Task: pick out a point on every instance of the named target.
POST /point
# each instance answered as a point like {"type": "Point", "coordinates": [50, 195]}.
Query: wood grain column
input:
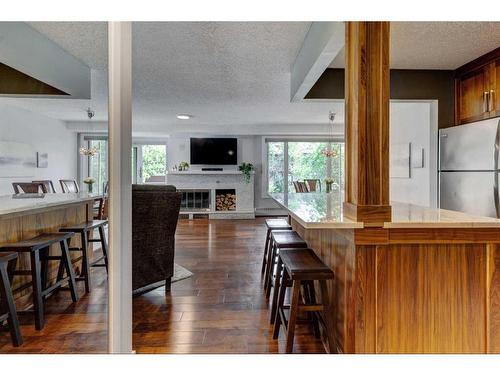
{"type": "Point", "coordinates": [367, 122]}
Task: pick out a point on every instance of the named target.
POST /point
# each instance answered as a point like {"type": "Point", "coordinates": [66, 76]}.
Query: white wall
{"type": "Point", "coordinates": [44, 135]}
{"type": "Point", "coordinates": [415, 123]}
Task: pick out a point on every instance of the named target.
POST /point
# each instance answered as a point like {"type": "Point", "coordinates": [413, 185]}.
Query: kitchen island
{"type": "Point", "coordinates": [23, 218]}
{"type": "Point", "coordinates": [428, 281]}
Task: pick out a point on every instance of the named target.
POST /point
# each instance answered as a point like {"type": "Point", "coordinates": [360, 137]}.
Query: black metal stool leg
{"type": "Point", "coordinates": [85, 262]}
{"type": "Point", "coordinates": [69, 269]}
{"type": "Point", "coordinates": [44, 267]}
{"type": "Point", "coordinates": [8, 305]}
{"type": "Point", "coordinates": [277, 281]}
{"type": "Point", "coordinates": [270, 270]}
{"type": "Point", "coordinates": [311, 296]}
{"type": "Point", "coordinates": [281, 302]}
{"type": "Point", "coordinates": [264, 258]}
{"type": "Point", "coordinates": [36, 281]}
{"type": "Point", "coordinates": [104, 246]}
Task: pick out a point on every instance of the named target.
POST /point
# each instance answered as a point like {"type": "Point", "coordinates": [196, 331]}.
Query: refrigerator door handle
{"type": "Point", "coordinates": [495, 183]}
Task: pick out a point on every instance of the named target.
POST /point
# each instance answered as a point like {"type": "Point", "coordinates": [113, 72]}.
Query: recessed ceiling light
{"type": "Point", "coordinates": [184, 116]}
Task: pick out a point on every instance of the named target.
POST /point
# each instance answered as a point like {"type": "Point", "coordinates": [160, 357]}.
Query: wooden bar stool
{"type": "Point", "coordinates": [272, 224]}
{"type": "Point", "coordinates": [84, 230]}
{"type": "Point", "coordinates": [301, 267]}
{"type": "Point", "coordinates": [7, 307]}
{"type": "Point", "coordinates": [38, 249]}
{"type": "Point", "coordinates": [280, 239]}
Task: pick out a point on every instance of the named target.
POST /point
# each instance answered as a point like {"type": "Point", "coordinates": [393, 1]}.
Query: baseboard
{"type": "Point", "coordinates": [265, 211]}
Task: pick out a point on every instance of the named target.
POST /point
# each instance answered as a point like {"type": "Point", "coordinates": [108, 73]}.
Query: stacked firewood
{"type": "Point", "coordinates": [225, 202]}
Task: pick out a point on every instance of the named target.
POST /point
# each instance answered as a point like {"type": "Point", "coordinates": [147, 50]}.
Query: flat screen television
{"type": "Point", "coordinates": [214, 151]}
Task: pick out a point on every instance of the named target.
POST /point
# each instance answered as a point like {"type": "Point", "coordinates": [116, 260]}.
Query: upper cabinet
{"type": "Point", "coordinates": [476, 89]}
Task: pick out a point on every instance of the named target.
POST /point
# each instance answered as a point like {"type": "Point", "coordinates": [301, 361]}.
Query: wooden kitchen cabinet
{"type": "Point", "coordinates": [476, 89]}
{"type": "Point", "coordinates": [495, 97]}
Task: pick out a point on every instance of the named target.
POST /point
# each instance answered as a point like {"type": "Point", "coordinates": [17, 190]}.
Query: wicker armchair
{"type": "Point", "coordinates": [155, 212]}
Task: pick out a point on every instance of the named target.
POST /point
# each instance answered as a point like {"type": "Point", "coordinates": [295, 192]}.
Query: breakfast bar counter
{"type": "Point", "coordinates": [428, 281]}
{"type": "Point", "coordinates": [24, 218]}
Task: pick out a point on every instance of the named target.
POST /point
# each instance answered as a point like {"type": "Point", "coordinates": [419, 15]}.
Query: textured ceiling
{"type": "Point", "coordinates": [222, 73]}
{"type": "Point", "coordinates": [437, 45]}
{"type": "Point", "coordinates": [233, 73]}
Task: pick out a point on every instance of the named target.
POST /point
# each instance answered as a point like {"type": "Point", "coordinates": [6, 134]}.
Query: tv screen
{"type": "Point", "coordinates": [215, 151]}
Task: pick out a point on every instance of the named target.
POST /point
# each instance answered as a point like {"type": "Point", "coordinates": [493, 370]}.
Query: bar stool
{"type": "Point", "coordinates": [280, 239]}
{"type": "Point", "coordinates": [272, 224]}
{"type": "Point", "coordinates": [301, 267]}
{"type": "Point", "coordinates": [38, 250]}
{"type": "Point", "coordinates": [7, 307]}
{"type": "Point", "coordinates": [84, 229]}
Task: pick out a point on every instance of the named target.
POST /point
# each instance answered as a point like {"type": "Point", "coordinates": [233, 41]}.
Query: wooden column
{"type": "Point", "coordinates": [367, 122]}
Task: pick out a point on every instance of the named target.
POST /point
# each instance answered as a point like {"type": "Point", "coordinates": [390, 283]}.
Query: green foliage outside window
{"type": "Point", "coordinates": [154, 161]}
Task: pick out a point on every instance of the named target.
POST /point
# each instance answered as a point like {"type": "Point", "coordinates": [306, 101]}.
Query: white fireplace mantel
{"type": "Point", "coordinates": [212, 181]}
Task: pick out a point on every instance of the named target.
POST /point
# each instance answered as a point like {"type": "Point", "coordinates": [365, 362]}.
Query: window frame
{"type": "Point", "coordinates": [286, 140]}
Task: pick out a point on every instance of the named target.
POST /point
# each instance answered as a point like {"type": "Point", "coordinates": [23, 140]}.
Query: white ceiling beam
{"type": "Point", "coordinates": [33, 54]}
{"type": "Point", "coordinates": [173, 129]}
{"type": "Point", "coordinates": [321, 45]}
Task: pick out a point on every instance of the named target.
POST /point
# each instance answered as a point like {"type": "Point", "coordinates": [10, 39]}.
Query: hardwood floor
{"type": "Point", "coordinates": [79, 327]}
{"type": "Point", "coordinates": [220, 309]}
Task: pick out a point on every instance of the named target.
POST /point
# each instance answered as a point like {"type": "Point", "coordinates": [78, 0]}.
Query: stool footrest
{"type": "Point", "coordinates": [56, 285]}
{"type": "Point", "coordinates": [22, 273]}
{"type": "Point", "coordinates": [53, 257]}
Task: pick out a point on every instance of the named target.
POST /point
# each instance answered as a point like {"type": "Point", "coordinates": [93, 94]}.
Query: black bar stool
{"type": "Point", "coordinates": [7, 307]}
{"type": "Point", "coordinates": [280, 239]}
{"type": "Point", "coordinates": [301, 267]}
{"type": "Point", "coordinates": [272, 224]}
{"type": "Point", "coordinates": [38, 249]}
{"type": "Point", "coordinates": [84, 230]}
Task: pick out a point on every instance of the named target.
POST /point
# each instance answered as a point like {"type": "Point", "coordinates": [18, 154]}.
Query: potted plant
{"type": "Point", "coordinates": [183, 166]}
{"type": "Point", "coordinates": [89, 181]}
{"type": "Point", "coordinates": [246, 169]}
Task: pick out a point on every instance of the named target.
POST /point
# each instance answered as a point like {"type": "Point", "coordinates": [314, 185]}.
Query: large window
{"type": "Point", "coordinates": [290, 161]}
{"type": "Point", "coordinates": [149, 162]}
{"type": "Point", "coordinates": [152, 162]}
{"type": "Point", "coordinates": [98, 164]}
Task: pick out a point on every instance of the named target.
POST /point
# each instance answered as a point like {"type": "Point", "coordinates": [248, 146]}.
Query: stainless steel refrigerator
{"type": "Point", "coordinates": [469, 168]}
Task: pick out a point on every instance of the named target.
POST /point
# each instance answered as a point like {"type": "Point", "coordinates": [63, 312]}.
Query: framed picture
{"type": "Point", "coordinates": [400, 160]}
{"type": "Point", "coordinates": [42, 160]}
{"type": "Point", "coordinates": [17, 159]}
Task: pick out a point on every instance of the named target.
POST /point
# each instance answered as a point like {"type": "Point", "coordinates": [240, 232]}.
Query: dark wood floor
{"type": "Point", "coordinates": [220, 309]}
{"type": "Point", "coordinates": [70, 327]}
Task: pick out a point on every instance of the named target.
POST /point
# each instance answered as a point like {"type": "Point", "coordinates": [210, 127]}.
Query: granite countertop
{"type": "Point", "coordinates": [324, 210]}
{"type": "Point", "coordinates": [316, 210]}
{"type": "Point", "coordinates": [10, 205]}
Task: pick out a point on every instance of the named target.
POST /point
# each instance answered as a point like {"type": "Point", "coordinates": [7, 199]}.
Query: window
{"type": "Point", "coordinates": [149, 162]}
{"type": "Point", "coordinates": [98, 164]}
{"type": "Point", "coordinates": [296, 160]}
{"type": "Point", "coordinates": [152, 162]}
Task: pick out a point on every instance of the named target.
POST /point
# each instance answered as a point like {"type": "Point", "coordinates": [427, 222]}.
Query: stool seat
{"type": "Point", "coordinates": [304, 264]}
{"type": "Point", "coordinates": [277, 224]}
{"type": "Point", "coordinates": [85, 226]}
{"type": "Point", "coordinates": [38, 250]}
{"type": "Point", "coordinates": [39, 242]}
{"type": "Point", "coordinates": [84, 230]}
{"type": "Point", "coordinates": [301, 268]}
{"type": "Point", "coordinates": [287, 238]}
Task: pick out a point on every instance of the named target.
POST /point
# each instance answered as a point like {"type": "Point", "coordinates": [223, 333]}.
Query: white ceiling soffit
{"type": "Point", "coordinates": [321, 45]}
{"type": "Point", "coordinates": [437, 45]}
{"type": "Point", "coordinates": [33, 54]}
